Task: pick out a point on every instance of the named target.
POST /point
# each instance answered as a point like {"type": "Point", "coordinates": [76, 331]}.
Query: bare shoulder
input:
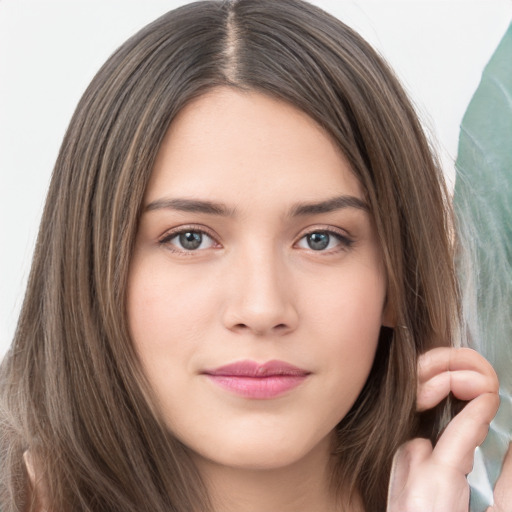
{"type": "Point", "coordinates": [35, 489]}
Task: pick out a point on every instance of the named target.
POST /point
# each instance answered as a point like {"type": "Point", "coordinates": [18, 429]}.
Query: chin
{"type": "Point", "coordinates": [264, 452]}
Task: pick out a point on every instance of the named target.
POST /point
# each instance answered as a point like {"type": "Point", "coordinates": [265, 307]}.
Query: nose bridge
{"type": "Point", "coordinates": [260, 300]}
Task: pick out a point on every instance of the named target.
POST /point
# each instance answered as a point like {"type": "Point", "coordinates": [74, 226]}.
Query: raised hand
{"type": "Point", "coordinates": [433, 479]}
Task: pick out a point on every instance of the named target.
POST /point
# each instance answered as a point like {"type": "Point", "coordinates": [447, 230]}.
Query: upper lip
{"type": "Point", "coordinates": [254, 369]}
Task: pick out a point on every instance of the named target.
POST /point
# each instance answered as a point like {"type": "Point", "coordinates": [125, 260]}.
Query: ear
{"type": "Point", "coordinates": [389, 314]}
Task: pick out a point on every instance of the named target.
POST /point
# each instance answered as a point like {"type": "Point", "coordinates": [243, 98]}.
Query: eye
{"type": "Point", "coordinates": [188, 240]}
{"type": "Point", "coordinates": [324, 240]}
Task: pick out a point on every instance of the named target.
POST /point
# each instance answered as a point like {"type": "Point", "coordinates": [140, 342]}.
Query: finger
{"type": "Point", "coordinates": [455, 448]}
{"type": "Point", "coordinates": [409, 456]}
{"type": "Point", "coordinates": [503, 488]}
{"type": "Point", "coordinates": [444, 359]}
{"type": "Point", "coordinates": [464, 384]}
{"type": "Point", "coordinates": [418, 483]}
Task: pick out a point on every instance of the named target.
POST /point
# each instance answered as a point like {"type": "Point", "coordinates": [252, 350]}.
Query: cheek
{"type": "Point", "coordinates": [349, 302]}
{"type": "Point", "coordinates": [166, 311]}
{"type": "Point", "coordinates": [347, 320]}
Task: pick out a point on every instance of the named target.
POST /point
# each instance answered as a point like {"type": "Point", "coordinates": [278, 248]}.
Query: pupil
{"type": "Point", "coordinates": [191, 240]}
{"type": "Point", "coordinates": [318, 241]}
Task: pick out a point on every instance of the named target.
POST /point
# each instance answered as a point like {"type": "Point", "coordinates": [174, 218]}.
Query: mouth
{"type": "Point", "coordinates": [250, 379]}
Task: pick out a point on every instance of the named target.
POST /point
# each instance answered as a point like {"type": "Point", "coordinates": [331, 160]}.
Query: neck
{"type": "Point", "coordinates": [302, 486]}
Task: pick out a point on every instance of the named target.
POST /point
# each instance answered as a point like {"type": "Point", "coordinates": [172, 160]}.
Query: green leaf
{"type": "Point", "coordinates": [483, 203]}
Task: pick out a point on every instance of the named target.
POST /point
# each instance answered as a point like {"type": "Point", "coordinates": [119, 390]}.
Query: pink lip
{"type": "Point", "coordinates": [260, 381]}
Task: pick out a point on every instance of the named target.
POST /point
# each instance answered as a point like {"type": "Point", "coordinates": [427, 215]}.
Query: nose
{"type": "Point", "coordinates": [260, 296]}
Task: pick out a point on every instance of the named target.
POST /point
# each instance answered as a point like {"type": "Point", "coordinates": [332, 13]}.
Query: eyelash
{"type": "Point", "coordinates": [344, 242]}
{"type": "Point", "coordinates": [166, 239]}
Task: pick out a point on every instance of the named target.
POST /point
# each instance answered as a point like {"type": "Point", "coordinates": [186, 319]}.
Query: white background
{"type": "Point", "coordinates": [50, 50]}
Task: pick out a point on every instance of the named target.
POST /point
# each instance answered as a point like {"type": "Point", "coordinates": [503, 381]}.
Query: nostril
{"type": "Point", "coordinates": [244, 327]}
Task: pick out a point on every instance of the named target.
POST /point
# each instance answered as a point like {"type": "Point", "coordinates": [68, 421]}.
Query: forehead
{"type": "Point", "coordinates": [228, 145]}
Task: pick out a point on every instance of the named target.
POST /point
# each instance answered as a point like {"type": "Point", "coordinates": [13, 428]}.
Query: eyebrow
{"type": "Point", "coordinates": [191, 205]}
{"type": "Point", "coordinates": [329, 205]}
{"type": "Point", "coordinates": [297, 210]}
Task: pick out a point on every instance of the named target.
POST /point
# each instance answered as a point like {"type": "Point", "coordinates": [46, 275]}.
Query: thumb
{"type": "Point", "coordinates": [503, 487]}
{"type": "Point", "coordinates": [409, 456]}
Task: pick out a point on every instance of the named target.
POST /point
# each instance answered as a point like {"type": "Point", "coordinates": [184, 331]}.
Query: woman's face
{"type": "Point", "coordinates": [256, 290]}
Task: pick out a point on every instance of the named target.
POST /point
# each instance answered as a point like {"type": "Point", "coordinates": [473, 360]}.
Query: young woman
{"type": "Point", "coordinates": [246, 252]}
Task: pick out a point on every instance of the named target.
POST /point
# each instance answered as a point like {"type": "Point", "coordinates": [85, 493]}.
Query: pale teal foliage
{"type": "Point", "coordinates": [483, 201]}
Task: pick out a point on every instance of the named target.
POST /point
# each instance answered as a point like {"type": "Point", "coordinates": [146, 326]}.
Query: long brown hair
{"type": "Point", "coordinates": [72, 391]}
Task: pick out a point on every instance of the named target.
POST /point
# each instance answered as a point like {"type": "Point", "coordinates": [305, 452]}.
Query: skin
{"type": "Point", "coordinates": [256, 289]}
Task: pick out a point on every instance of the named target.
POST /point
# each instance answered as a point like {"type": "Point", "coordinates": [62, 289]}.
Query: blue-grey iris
{"type": "Point", "coordinates": [191, 240]}
{"type": "Point", "coordinates": [318, 241]}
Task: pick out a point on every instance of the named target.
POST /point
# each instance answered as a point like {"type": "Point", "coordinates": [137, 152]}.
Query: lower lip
{"type": "Point", "coordinates": [261, 388]}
